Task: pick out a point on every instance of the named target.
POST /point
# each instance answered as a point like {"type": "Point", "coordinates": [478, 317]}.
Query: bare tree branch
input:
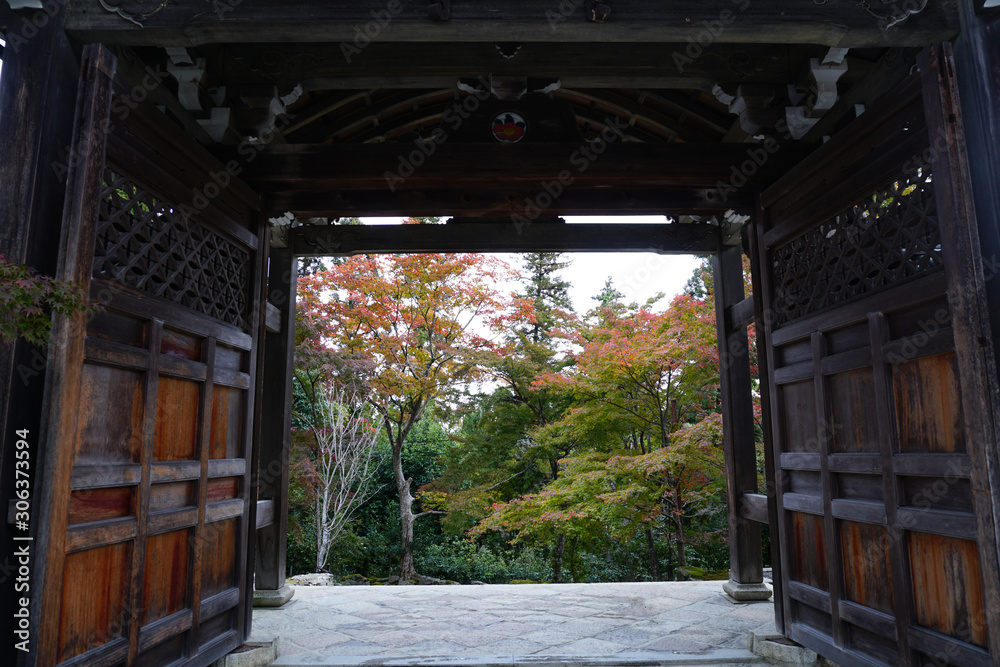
{"type": "Point", "coordinates": [344, 430]}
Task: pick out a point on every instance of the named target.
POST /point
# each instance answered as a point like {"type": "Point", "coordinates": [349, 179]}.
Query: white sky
{"type": "Point", "coordinates": [636, 275]}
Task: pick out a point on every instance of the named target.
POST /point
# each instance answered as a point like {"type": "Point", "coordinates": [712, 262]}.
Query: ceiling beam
{"type": "Point", "coordinates": [435, 65]}
{"type": "Point", "coordinates": [676, 238]}
{"type": "Point", "coordinates": [509, 202]}
{"type": "Point", "coordinates": [195, 22]}
{"type": "Point", "coordinates": [404, 166]}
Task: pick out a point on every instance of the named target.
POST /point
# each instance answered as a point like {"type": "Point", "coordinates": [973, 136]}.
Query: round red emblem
{"type": "Point", "coordinates": [509, 127]}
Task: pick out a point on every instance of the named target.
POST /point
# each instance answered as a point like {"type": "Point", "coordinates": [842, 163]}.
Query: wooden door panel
{"type": "Point", "coordinates": [111, 430]}
{"type": "Point", "coordinates": [928, 405]}
{"type": "Point", "coordinates": [938, 563]}
{"type": "Point", "coordinates": [798, 429]}
{"type": "Point", "coordinates": [807, 530]}
{"type": "Point", "coordinates": [158, 504]}
{"type": "Point", "coordinates": [866, 565]}
{"type": "Point", "coordinates": [94, 602]}
{"type": "Point", "coordinates": [852, 410]}
{"type": "Point", "coordinates": [165, 575]}
{"type": "Point", "coordinates": [872, 344]}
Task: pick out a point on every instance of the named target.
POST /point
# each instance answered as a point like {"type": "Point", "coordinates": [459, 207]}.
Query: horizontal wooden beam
{"type": "Point", "coordinates": [511, 236]}
{"type": "Point", "coordinates": [192, 22]}
{"type": "Point", "coordinates": [432, 65]}
{"type": "Point", "coordinates": [391, 167]}
{"type": "Point", "coordinates": [741, 315]}
{"type": "Point", "coordinates": [272, 319]}
{"type": "Point", "coordinates": [324, 202]}
{"type": "Point", "coordinates": [265, 513]}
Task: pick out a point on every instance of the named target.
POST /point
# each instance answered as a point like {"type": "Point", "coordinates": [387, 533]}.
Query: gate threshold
{"type": "Point", "coordinates": [637, 659]}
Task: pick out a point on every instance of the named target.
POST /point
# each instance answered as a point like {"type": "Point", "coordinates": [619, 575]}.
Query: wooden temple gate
{"type": "Point", "coordinates": [881, 401]}
{"type": "Point", "coordinates": [148, 525]}
{"type": "Point", "coordinates": [163, 430]}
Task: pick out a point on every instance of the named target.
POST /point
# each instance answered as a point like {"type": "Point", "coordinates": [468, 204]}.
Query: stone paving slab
{"type": "Point", "coordinates": [628, 624]}
{"type": "Point", "coordinates": [731, 658]}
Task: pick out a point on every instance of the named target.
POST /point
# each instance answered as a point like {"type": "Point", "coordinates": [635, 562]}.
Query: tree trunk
{"type": "Point", "coordinates": [318, 519]}
{"type": "Point", "coordinates": [407, 570]}
{"type": "Point", "coordinates": [671, 574]}
{"type": "Point", "coordinates": [572, 559]}
{"type": "Point", "coordinates": [557, 557]}
{"type": "Point", "coordinates": [654, 562]}
{"type": "Point", "coordinates": [679, 527]}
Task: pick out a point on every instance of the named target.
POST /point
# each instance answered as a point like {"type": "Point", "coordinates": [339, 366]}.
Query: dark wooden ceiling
{"type": "Point", "coordinates": [311, 75]}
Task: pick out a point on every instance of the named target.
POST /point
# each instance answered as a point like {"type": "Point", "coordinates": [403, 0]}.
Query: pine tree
{"type": "Point", "coordinates": [547, 292]}
{"type": "Point", "coordinates": [608, 296]}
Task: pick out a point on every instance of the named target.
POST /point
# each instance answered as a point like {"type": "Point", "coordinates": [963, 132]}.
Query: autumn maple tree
{"type": "Point", "coordinates": [417, 324]}
{"type": "Point", "coordinates": [644, 387]}
{"type": "Point", "coordinates": [498, 457]}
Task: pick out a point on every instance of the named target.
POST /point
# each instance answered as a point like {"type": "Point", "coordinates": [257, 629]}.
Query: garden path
{"type": "Point", "coordinates": [599, 624]}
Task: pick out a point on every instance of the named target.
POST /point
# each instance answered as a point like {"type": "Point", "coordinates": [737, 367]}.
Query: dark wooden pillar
{"type": "Point", "coordinates": [752, 236]}
{"type": "Point", "coordinates": [977, 63]}
{"type": "Point", "coordinates": [37, 103]}
{"type": "Point", "coordinates": [977, 60]}
{"type": "Point", "coordinates": [969, 272]}
{"type": "Point", "coordinates": [746, 568]}
{"type": "Point", "coordinates": [276, 415]}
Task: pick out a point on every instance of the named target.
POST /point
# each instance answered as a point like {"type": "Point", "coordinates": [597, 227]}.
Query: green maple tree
{"type": "Point", "coordinates": [28, 300]}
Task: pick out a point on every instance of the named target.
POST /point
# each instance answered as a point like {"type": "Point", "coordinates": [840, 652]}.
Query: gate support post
{"type": "Point", "coordinates": [37, 106]}
{"type": "Point", "coordinates": [977, 60]}
{"type": "Point", "coordinates": [276, 420]}
{"type": "Point", "coordinates": [746, 565]}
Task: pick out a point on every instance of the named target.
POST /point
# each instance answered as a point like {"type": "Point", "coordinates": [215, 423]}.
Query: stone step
{"type": "Point", "coordinates": [731, 657]}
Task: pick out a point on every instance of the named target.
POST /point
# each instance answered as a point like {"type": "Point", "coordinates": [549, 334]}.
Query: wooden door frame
{"type": "Point", "coordinates": [65, 363]}
{"type": "Point", "coordinates": [734, 312]}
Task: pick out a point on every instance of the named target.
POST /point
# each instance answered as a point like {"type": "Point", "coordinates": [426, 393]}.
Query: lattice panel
{"type": "Point", "coordinates": [145, 243]}
{"type": "Point", "coordinates": [885, 239]}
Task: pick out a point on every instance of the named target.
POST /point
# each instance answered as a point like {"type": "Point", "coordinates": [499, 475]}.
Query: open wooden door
{"type": "Point", "coordinates": [883, 396]}
{"type": "Point", "coordinates": [145, 509]}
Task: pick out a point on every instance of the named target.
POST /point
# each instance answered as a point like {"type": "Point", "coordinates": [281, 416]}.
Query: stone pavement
{"type": "Point", "coordinates": [634, 623]}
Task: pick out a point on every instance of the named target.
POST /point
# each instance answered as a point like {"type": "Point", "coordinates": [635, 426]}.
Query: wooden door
{"type": "Point", "coordinates": [148, 504]}
{"type": "Point", "coordinates": [882, 391]}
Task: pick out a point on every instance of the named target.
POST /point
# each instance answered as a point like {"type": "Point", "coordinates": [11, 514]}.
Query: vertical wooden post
{"type": "Point", "coordinates": [37, 103]}
{"type": "Point", "coordinates": [746, 566]}
{"type": "Point", "coordinates": [276, 416]}
{"type": "Point", "coordinates": [967, 298]}
{"type": "Point", "coordinates": [977, 64]}
{"type": "Point", "coordinates": [60, 408]}
{"type": "Point", "coordinates": [753, 236]}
